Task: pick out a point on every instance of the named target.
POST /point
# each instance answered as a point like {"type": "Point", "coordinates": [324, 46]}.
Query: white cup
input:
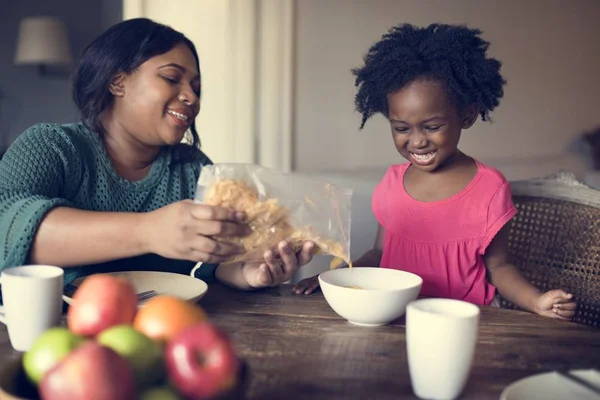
{"type": "Point", "coordinates": [441, 335]}
{"type": "Point", "coordinates": [32, 297]}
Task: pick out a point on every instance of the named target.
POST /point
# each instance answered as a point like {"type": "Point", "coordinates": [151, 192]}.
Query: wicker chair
{"type": "Point", "coordinates": [555, 240]}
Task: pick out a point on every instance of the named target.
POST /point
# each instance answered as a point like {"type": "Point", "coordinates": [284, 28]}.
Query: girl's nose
{"type": "Point", "coordinates": [418, 139]}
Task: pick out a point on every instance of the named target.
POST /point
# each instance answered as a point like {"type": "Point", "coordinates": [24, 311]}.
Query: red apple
{"type": "Point", "coordinates": [100, 302]}
{"type": "Point", "coordinates": [201, 362]}
{"type": "Point", "coordinates": [90, 372]}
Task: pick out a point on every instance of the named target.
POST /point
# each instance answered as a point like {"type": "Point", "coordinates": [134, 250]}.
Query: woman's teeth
{"type": "Point", "coordinates": [423, 157]}
{"type": "Point", "coordinates": [182, 117]}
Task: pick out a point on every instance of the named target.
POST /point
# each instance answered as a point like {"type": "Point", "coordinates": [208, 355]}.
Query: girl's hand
{"type": "Point", "coordinates": [307, 285]}
{"type": "Point", "coordinates": [279, 266]}
{"type": "Point", "coordinates": [183, 230]}
{"type": "Point", "coordinates": [556, 304]}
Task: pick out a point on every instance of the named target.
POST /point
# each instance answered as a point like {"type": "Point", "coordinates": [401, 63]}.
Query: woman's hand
{"type": "Point", "coordinates": [279, 266]}
{"type": "Point", "coordinates": [183, 230]}
{"type": "Point", "coordinates": [556, 304]}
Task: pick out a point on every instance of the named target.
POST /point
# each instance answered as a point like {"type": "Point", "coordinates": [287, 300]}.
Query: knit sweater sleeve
{"type": "Point", "coordinates": [37, 173]}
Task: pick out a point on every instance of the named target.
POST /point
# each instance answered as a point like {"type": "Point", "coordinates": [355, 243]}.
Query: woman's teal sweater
{"type": "Point", "coordinates": [52, 165]}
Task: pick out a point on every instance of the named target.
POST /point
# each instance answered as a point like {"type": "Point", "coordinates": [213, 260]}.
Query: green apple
{"type": "Point", "coordinates": [160, 393]}
{"type": "Point", "coordinates": [48, 349]}
{"type": "Point", "coordinates": [144, 354]}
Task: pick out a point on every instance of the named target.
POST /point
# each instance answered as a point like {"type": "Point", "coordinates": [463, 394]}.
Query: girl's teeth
{"type": "Point", "coordinates": [424, 157]}
{"type": "Point", "coordinates": [178, 115]}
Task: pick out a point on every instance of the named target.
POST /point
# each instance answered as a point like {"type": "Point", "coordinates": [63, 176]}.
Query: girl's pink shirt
{"type": "Point", "coordinates": [444, 241]}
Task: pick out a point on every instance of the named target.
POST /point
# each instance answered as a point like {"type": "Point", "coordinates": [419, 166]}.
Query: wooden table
{"type": "Point", "coordinates": [298, 348]}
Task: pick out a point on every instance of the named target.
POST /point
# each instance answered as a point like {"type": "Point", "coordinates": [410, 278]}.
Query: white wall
{"type": "Point", "coordinates": [549, 50]}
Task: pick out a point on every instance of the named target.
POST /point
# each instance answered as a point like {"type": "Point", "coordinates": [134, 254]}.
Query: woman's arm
{"type": "Point", "coordinates": [70, 237]}
{"type": "Point", "coordinates": [231, 274]}
{"type": "Point", "coordinates": [515, 288]}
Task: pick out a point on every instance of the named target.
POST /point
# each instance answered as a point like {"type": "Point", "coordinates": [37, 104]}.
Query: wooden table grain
{"type": "Point", "coordinates": [298, 348]}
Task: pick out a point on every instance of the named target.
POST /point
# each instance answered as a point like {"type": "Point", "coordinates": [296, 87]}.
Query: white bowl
{"type": "Point", "coordinates": [382, 296]}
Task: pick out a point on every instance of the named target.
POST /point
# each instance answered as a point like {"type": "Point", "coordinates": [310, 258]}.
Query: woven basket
{"type": "Point", "coordinates": [554, 240]}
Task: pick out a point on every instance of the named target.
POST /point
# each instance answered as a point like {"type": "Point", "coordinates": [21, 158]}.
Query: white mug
{"type": "Point", "coordinates": [441, 335]}
{"type": "Point", "coordinates": [32, 297]}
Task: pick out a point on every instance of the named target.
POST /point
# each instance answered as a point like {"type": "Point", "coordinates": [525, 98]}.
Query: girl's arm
{"type": "Point", "coordinates": [371, 258]}
{"type": "Point", "coordinates": [515, 288]}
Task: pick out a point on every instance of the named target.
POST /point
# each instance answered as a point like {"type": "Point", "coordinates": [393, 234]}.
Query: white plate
{"type": "Point", "coordinates": [178, 285]}
{"type": "Point", "coordinates": [552, 386]}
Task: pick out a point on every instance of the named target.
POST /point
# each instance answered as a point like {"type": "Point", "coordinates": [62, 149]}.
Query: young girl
{"type": "Point", "coordinates": [443, 215]}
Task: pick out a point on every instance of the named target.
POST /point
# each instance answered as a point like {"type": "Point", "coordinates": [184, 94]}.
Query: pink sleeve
{"type": "Point", "coordinates": [500, 211]}
{"type": "Point", "coordinates": [379, 202]}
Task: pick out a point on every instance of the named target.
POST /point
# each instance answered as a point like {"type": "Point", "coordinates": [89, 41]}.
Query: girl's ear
{"type": "Point", "coordinates": [117, 88]}
{"type": "Point", "coordinates": [469, 116]}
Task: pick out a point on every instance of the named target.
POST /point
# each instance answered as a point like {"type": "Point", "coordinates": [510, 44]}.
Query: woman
{"type": "Point", "coordinates": [113, 192]}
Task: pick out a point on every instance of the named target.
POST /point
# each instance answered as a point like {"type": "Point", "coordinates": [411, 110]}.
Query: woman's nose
{"type": "Point", "coordinates": [188, 97]}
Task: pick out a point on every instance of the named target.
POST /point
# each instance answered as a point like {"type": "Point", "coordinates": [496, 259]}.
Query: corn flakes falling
{"type": "Point", "coordinates": [268, 221]}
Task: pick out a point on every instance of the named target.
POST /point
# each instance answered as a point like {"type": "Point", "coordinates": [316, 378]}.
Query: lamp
{"type": "Point", "coordinates": [43, 41]}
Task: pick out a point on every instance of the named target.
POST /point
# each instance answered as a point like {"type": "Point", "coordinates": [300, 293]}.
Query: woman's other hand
{"type": "Point", "coordinates": [279, 266]}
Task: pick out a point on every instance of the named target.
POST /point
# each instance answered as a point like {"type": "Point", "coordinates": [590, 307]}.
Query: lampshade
{"type": "Point", "coordinates": [42, 40]}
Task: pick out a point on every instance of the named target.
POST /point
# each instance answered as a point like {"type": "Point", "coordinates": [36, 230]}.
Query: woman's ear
{"type": "Point", "coordinates": [117, 87]}
{"type": "Point", "coordinates": [469, 116]}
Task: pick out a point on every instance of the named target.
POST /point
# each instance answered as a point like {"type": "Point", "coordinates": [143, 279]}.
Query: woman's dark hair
{"type": "Point", "coordinates": [453, 55]}
{"type": "Point", "coordinates": [121, 48]}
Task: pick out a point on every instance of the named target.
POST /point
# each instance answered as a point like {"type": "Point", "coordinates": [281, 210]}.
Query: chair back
{"type": "Point", "coordinates": [554, 240]}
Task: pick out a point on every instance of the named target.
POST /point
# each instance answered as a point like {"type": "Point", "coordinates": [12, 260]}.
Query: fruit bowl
{"type": "Point", "coordinates": [15, 386]}
{"type": "Point", "coordinates": [369, 296]}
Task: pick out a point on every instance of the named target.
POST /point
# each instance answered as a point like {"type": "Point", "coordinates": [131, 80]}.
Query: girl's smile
{"type": "Point", "coordinates": [423, 158]}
